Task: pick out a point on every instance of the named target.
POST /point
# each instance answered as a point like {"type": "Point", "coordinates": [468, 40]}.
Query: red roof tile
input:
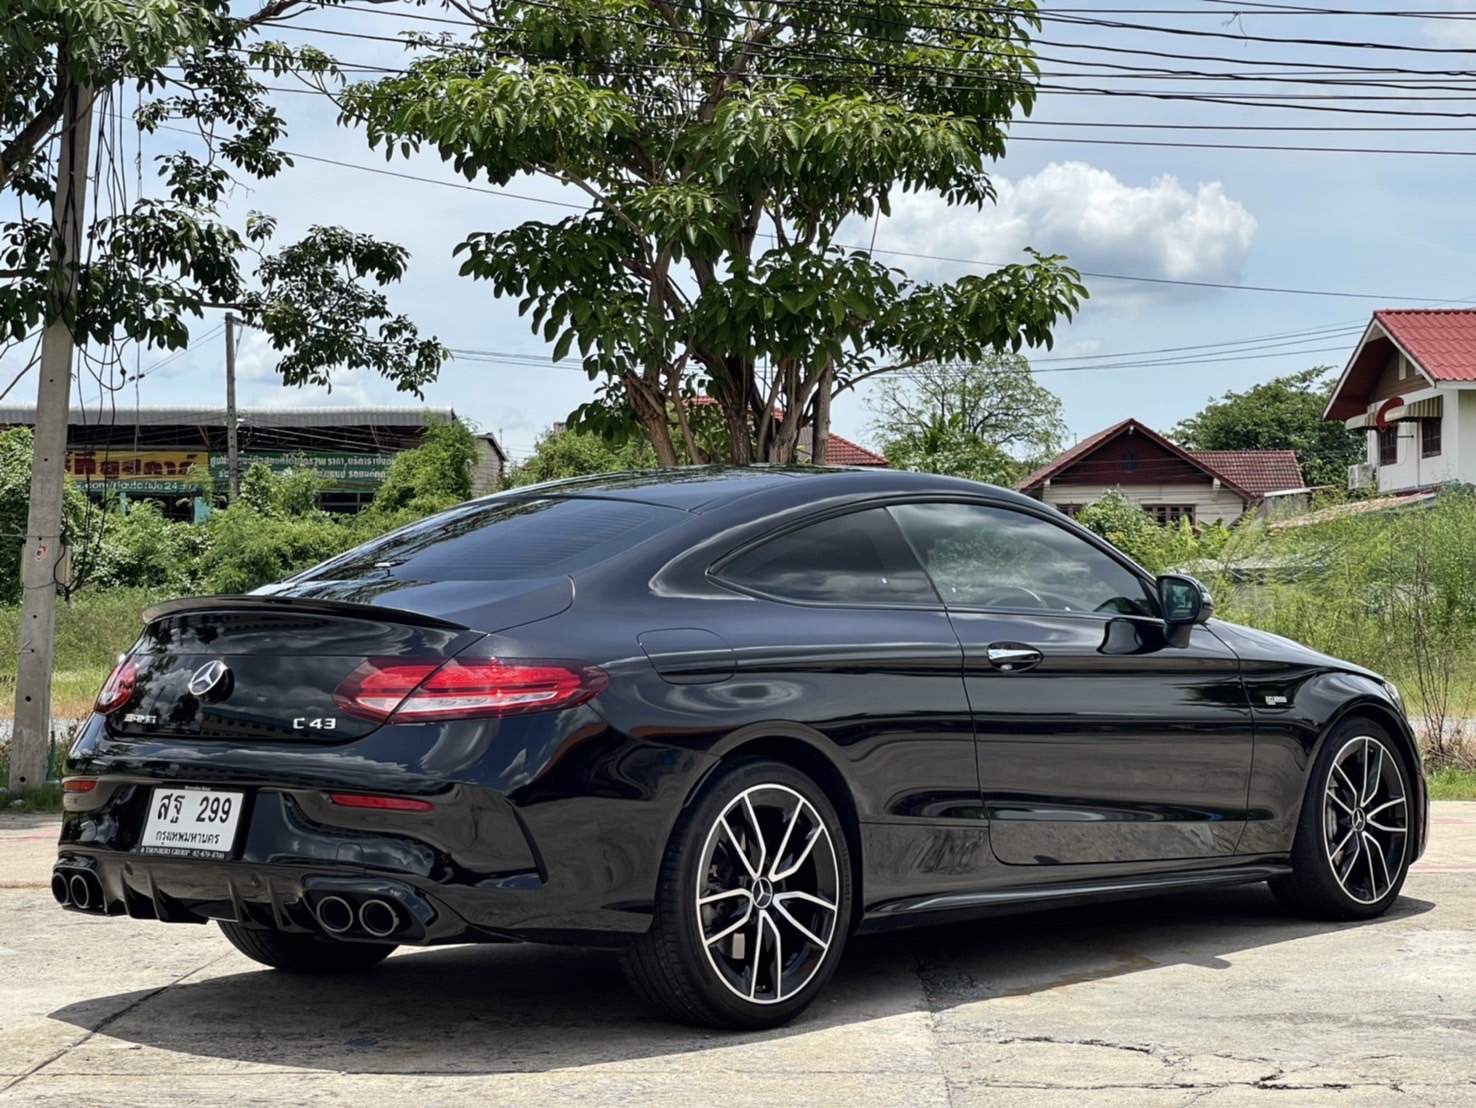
{"type": "Point", "coordinates": [1441, 340]}
{"type": "Point", "coordinates": [1256, 471]}
{"type": "Point", "coordinates": [843, 452]}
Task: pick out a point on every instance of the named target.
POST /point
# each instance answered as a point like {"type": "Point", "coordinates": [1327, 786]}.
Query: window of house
{"type": "Point", "coordinates": [1389, 445]}
{"type": "Point", "coordinates": [985, 557]}
{"type": "Point", "coordinates": [1129, 463]}
{"type": "Point", "coordinates": [1429, 438]}
{"type": "Point", "coordinates": [1170, 513]}
{"type": "Point", "coordinates": [860, 558]}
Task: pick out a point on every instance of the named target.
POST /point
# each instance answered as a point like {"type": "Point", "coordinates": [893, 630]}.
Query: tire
{"type": "Point", "coordinates": [750, 918]}
{"type": "Point", "coordinates": [304, 953]}
{"type": "Point", "coordinates": [1352, 850]}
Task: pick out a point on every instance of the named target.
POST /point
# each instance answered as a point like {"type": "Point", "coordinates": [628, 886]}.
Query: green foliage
{"type": "Point", "coordinates": [144, 550]}
{"type": "Point", "coordinates": [433, 476]}
{"type": "Point", "coordinates": [1281, 414]}
{"type": "Point", "coordinates": [152, 265]}
{"type": "Point", "coordinates": [986, 420]}
{"type": "Point", "coordinates": [273, 530]}
{"type": "Point", "coordinates": [701, 135]}
{"type": "Point", "coordinates": [16, 448]}
{"type": "Point", "coordinates": [1394, 591]}
{"type": "Point", "coordinates": [560, 454]}
{"type": "Point", "coordinates": [1156, 548]}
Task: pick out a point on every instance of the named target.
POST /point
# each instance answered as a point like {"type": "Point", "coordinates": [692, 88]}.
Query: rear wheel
{"type": "Point", "coordinates": [753, 905]}
{"type": "Point", "coordinates": [1351, 853]}
{"type": "Point", "coordinates": [304, 953]}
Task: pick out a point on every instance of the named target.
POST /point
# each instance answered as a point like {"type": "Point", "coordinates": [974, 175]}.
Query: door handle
{"type": "Point", "coordinates": [1012, 657]}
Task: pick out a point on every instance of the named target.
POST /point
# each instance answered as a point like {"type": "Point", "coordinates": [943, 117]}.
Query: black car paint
{"type": "Point", "coordinates": [551, 826]}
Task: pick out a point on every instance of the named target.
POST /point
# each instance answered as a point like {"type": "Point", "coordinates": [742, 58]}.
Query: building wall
{"type": "Point", "coordinates": [1131, 461]}
{"type": "Point", "coordinates": [1398, 378]}
{"type": "Point", "coordinates": [1210, 504]}
{"type": "Point", "coordinates": [1411, 470]}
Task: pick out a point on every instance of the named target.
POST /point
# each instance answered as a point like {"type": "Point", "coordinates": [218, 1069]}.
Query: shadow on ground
{"type": "Point", "coordinates": [498, 1009]}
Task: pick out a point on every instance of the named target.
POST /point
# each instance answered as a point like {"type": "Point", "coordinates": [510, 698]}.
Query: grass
{"type": "Point", "coordinates": [1453, 784]}
{"type": "Point", "coordinates": [89, 637]}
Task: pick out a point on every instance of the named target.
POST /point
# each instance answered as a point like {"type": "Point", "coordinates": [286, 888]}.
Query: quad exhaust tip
{"type": "Point", "coordinates": [59, 889]}
{"type": "Point", "coordinates": [335, 914]}
{"type": "Point", "coordinates": [80, 890]}
{"type": "Point", "coordinates": [379, 918]}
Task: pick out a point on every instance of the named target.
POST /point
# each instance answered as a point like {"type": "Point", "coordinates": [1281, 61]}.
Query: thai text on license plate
{"type": "Point", "coordinates": [192, 821]}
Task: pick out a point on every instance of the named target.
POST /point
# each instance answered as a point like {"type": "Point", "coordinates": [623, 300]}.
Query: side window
{"type": "Point", "coordinates": [859, 558]}
{"type": "Point", "coordinates": [997, 558]}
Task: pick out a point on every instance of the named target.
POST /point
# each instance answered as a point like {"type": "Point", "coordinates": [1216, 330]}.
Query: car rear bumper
{"type": "Point", "coordinates": [478, 861]}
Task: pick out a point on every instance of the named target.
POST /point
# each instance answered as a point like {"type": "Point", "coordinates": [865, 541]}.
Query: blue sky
{"type": "Point", "coordinates": [1393, 229]}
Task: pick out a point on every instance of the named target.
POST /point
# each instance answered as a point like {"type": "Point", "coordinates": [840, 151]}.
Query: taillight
{"type": "Point", "coordinates": [118, 688]}
{"type": "Point", "coordinates": [412, 690]}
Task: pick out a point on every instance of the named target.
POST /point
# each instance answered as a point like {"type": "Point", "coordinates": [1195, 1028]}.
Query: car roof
{"type": "Point", "coordinates": [693, 488]}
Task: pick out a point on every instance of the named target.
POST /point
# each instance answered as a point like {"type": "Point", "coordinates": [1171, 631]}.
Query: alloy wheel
{"type": "Point", "coordinates": [767, 894]}
{"type": "Point", "coordinates": [1365, 818]}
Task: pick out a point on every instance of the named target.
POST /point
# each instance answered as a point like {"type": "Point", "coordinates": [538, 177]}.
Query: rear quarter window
{"type": "Point", "coordinates": [504, 539]}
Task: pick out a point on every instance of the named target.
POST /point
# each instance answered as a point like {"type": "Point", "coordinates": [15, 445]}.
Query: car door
{"type": "Point", "coordinates": [1097, 741]}
{"type": "Point", "coordinates": [849, 640]}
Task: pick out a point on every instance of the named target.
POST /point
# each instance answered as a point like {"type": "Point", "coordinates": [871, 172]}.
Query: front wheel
{"type": "Point", "coordinates": [304, 953]}
{"type": "Point", "coordinates": [1352, 850]}
{"type": "Point", "coordinates": [753, 904]}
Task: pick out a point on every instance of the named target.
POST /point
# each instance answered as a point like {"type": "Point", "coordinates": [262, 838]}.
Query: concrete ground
{"type": "Point", "coordinates": [1213, 999]}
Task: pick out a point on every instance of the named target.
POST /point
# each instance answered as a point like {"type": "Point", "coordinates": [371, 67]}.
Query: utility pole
{"type": "Point", "coordinates": [31, 741]}
{"type": "Point", "coordinates": [233, 456]}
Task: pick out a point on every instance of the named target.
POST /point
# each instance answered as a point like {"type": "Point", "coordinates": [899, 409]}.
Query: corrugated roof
{"type": "Point", "coordinates": [1441, 340]}
{"type": "Point", "coordinates": [126, 415]}
{"type": "Point", "coordinates": [1256, 471]}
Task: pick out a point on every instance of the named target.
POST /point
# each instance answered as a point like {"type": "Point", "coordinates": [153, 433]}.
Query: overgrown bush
{"type": "Point", "coordinates": [1393, 590]}
{"type": "Point", "coordinates": [1156, 548]}
{"type": "Point", "coordinates": [143, 550]}
{"type": "Point", "coordinates": [16, 447]}
{"type": "Point", "coordinates": [432, 477]}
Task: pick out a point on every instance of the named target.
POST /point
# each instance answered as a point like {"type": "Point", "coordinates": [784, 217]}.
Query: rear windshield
{"type": "Point", "coordinates": [503, 539]}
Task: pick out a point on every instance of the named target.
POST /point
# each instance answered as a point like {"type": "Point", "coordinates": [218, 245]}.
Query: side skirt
{"type": "Point", "coordinates": [956, 907]}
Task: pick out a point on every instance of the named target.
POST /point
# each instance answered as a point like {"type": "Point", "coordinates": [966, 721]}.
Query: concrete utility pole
{"type": "Point", "coordinates": [31, 742]}
{"type": "Point", "coordinates": [233, 456]}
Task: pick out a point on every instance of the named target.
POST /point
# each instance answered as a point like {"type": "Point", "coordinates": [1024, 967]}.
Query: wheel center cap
{"type": "Point", "coordinates": [1359, 820]}
{"type": "Point", "coordinates": [763, 893]}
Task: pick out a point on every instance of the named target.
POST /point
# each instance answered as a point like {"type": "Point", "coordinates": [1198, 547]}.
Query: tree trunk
{"type": "Point", "coordinates": [650, 408]}
{"type": "Point", "coordinates": [820, 440]}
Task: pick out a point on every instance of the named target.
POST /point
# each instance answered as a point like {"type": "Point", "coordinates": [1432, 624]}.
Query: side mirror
{"type": "Point", "coordinates": [1184, 602]}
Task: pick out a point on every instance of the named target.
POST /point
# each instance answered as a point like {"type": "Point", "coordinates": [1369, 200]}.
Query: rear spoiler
{"type": "Point", "coordinates": [294, 604]}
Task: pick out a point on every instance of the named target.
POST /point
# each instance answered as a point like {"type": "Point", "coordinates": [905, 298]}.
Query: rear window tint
{"type": "Point", "coordinates": [858, 559]}
{"type": "Point", "coordinates": [498, 540]}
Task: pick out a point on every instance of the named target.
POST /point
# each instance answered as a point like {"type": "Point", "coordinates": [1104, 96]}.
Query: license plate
{"type": "Point", "coordinates": [190, 821]}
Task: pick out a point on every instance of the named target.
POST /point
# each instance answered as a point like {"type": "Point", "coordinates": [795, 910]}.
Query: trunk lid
{"type": "Point", "coordinates": [267, 667]}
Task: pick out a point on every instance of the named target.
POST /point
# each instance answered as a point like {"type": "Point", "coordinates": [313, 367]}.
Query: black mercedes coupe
{"type": "Point", "coordinates": [721, 720]}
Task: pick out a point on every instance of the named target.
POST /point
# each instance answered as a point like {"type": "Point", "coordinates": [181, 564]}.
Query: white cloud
{"type": "Point", "coordinates": [1161, 229]}
{"type": "Point", "coordinates": [1457, 31]}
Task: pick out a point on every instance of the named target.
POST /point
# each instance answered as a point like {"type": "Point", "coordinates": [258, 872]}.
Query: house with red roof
{"type": "Point", "coordinates": [1411, 384]}
{"type": "Point", "coordinates": [1161, 477]}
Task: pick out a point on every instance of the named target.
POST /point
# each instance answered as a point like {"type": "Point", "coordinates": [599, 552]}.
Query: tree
{"type": "Point", "coordinates": [15, 488]}
{"type": "Point", "coordinates": [432, 476]}
{"type": "Point", "coordinates": [985, 420]}
{"type": "Point", "coordinates": [1281, 414]}
{"type": "Point", "coordinates": [153, 261]}
{"type": "Point", "coordinates": [721, 148]}
{"type": "Point", "coordinates": [560, 454]}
